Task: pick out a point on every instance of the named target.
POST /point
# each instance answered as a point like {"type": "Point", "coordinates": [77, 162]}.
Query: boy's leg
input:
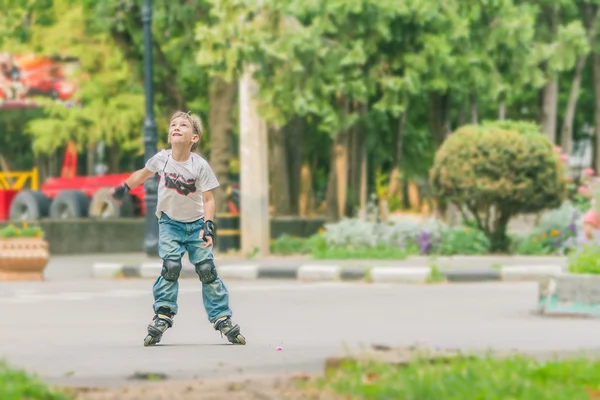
{"type": "Point", "coordinates": [166, 286]}
{"type": "Point", "coordinates": [214, 292]}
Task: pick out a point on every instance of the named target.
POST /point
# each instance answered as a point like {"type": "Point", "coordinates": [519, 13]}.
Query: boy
{"type": "Point", "coordinates": [185, 211]}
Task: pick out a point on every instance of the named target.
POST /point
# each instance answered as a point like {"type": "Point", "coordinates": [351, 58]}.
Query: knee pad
{"type": "Point", "coordinates": [206, 271]}
{"type": "Point", "coordinates": [171, 270]}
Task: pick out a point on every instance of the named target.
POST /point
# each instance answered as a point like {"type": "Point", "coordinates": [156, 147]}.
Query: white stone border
{"type": "Point", "coordinates": [321, 273]}
{"type": "Point", "coordinates": [529, 272]}
{"type": "Point", "coordinates": [399, 274]}
{"type": "Point", "coordinates": [239, 272]}
{"type": "Point", "coordinates": [106, 270]}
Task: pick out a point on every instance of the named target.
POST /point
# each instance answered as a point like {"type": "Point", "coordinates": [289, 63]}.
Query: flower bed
{"type": "Point", "coordinates": [558, 232]}
{"type": "Point", "coordinates": [24, 253]}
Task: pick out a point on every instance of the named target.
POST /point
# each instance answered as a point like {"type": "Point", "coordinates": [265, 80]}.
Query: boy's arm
{"type": "Point", "coordinates": [137, 178]}
{"type": "Point", "coordinates": [208, 231]}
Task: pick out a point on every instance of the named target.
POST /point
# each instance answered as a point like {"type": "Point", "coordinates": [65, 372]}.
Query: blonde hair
{"type": "Point", "coordinates": [194, 120]}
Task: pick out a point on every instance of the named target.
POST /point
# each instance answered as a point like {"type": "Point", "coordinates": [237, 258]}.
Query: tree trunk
{"type": "Point", "coordinates": [254, 169]}
{"type": "Point", "coordinates": [113, 158]}
{"type": "Point", "coordinates": [550, 90]}
{"type": "Point", "coordinates": [221, 102]}
{"type": "Point", "coordinates": [596, 61]}
{"type": "Point", "coordinates": [332, 194]}
{"type": "Point", "coordinates": [91, 159]}
{"type": "Point", "coordinates": [567, 127]}
{"type": "Point", "coordinates": [363, 181]}
{"type": "Point", "coordinates": [499, 240]}
{"type": "Point", "coordinates": [41, 161]}
{"type": "Point", "coordinates": [395, 186]}
{"type": "Point", "coordinates": [438, 116]}
{"type": "Point", "coordinates": [354, 164]}
{"type": "Point", "coordinates": [340, 165]}
{"type": "Point", "coordinates": [341, 170]}
{"type": "Point", "coordinates": [306, 198]}
{"type": "Point", "coordinates": [295, 154]}
{"type": "Point", "coordinates": [502, 111]}
{"type": "Point", "coordinates": [474, 109]}
{"type": "Point", "coordinates": [280, 184]}
{"type": "Point", "coordinates": [550, 108]}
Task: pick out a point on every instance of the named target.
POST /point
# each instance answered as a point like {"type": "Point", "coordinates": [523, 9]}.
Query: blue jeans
{"type": "Point", "coordinates": [174, 239]}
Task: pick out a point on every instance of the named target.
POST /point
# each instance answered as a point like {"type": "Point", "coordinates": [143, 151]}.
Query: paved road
{"type": "Point", "coordinates": [91, 332]}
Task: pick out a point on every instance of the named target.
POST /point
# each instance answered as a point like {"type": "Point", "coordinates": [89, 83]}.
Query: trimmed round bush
{"type": "Point", "coordinates": [497, 170]}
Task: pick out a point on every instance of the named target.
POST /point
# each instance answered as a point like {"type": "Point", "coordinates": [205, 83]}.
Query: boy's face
{"type": "Point", "coordinates": [181, 132]}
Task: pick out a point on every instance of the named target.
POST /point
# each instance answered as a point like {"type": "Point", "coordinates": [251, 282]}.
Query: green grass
{"type": "Point", "coordinates": [18, 385]}
{"type": "Point", "coordinates": [519, 378]}
{"type": "Point", "coordinates": [435, 275]}
{"type": "Point", "coordinates": [382, 253]}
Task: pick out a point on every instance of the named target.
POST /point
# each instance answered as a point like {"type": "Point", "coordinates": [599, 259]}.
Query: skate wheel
{"type": "Point", "coordinates": [241, 339]}
{"type": "Point", "coordinates": [149, 341]}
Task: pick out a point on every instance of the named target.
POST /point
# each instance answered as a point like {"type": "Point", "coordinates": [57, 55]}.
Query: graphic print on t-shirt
{"type": "Point", "coordinates": [180, 184]}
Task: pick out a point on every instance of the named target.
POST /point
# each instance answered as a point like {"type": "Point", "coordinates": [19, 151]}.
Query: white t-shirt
{"type": "Point", "coordinates": [181, 185]}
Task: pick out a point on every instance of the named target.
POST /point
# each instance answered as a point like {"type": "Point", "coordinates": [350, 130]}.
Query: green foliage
{"type": "Point", "coordinates": [384, 241]}
{"type": "Point", "coordinates": [24, 231]}
{"type": "Point", "coordinates": [586, 260]}
{"type": "Point", "coordinates": [337, 65]}
{"type": "Point", "coordinates": [507, 165]}
{"type": "Point", "coordinates": [364, 253]}
{"type": "Point", "coordinates": [289, 245]}
{"type": "Point", "coordinates": [516, 377]}
{"type": "Point", "coordinates": [533, 245]}
{"type": "Point", "coordinates": [17, 384]}
{"type": "Point", "coordinates": [435, 275]}
{"type": "Point", "coordinates": [553, 233]}
{"type": "Point", "coordinates": [318, 248]}
{"type": "Point", "coordinates": [112, 100]}
{"type": "Point", "coordinates": [463, 240]}
{"type": "Point", "coordinates": [15, 145]}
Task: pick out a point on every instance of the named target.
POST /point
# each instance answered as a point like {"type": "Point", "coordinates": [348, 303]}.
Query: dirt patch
{"type": "Point", "coordinates": [289, 388]}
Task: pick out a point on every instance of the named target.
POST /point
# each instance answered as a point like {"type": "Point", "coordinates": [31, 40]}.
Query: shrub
{"type": "Point", "coordinates": [354, 238]}
{"type": "Point", "coordinates": [497, 170]}
{"type": "Point", "coordinates": [287, 245]}
{"type": "Point", "coordinates": [556, 231]}
{"type": "Point", "coordinates": [463, 240]}
{"type": "Point", "coordinates": [533, 245]}
{"type": "Point", "coordinates": [586, 258]}
{"type": "Point", "coordinates": [25, 231]}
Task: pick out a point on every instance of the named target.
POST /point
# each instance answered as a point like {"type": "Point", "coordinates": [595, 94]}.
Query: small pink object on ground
{"type": "Point", "coordinates": [279, 348]}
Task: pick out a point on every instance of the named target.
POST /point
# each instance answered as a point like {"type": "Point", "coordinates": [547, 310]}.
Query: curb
{"type": "Point", "coordinates": [400, 275]}
{"type": "Point", "coordinates": [331, 273]}
{"type": "Point", "coordinates": [316, 273]}
{"type": "Point", "coordinates": [525, 273]}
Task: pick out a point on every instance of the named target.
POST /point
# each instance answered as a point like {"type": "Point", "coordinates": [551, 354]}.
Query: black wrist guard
{"type": "Point", "coordinates": [121, 191]}
{"type": "Point", "coordinates": [209, 230]}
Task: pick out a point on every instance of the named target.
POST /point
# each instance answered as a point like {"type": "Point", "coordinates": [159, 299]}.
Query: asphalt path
{"type": "Point", "coordinates": [90, 332]}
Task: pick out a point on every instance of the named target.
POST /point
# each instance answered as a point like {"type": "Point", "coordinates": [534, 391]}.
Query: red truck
{"type": "Point", "coordinates": [72, 196]}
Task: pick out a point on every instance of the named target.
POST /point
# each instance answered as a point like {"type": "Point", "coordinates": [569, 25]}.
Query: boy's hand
{"type": "Point", "coordinates": [207, 233]}
{"type": "Point", "coordinates": [120, 191]}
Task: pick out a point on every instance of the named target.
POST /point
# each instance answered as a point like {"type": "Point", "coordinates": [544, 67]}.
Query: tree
{"type": "Point", "coordinates": [496, 171]}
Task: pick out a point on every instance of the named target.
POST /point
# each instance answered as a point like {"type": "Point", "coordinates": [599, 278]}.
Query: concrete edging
{"type": "Point", "coordinates": [328, 273]}
{"type": "Point", "coordinates": [400, 275]}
